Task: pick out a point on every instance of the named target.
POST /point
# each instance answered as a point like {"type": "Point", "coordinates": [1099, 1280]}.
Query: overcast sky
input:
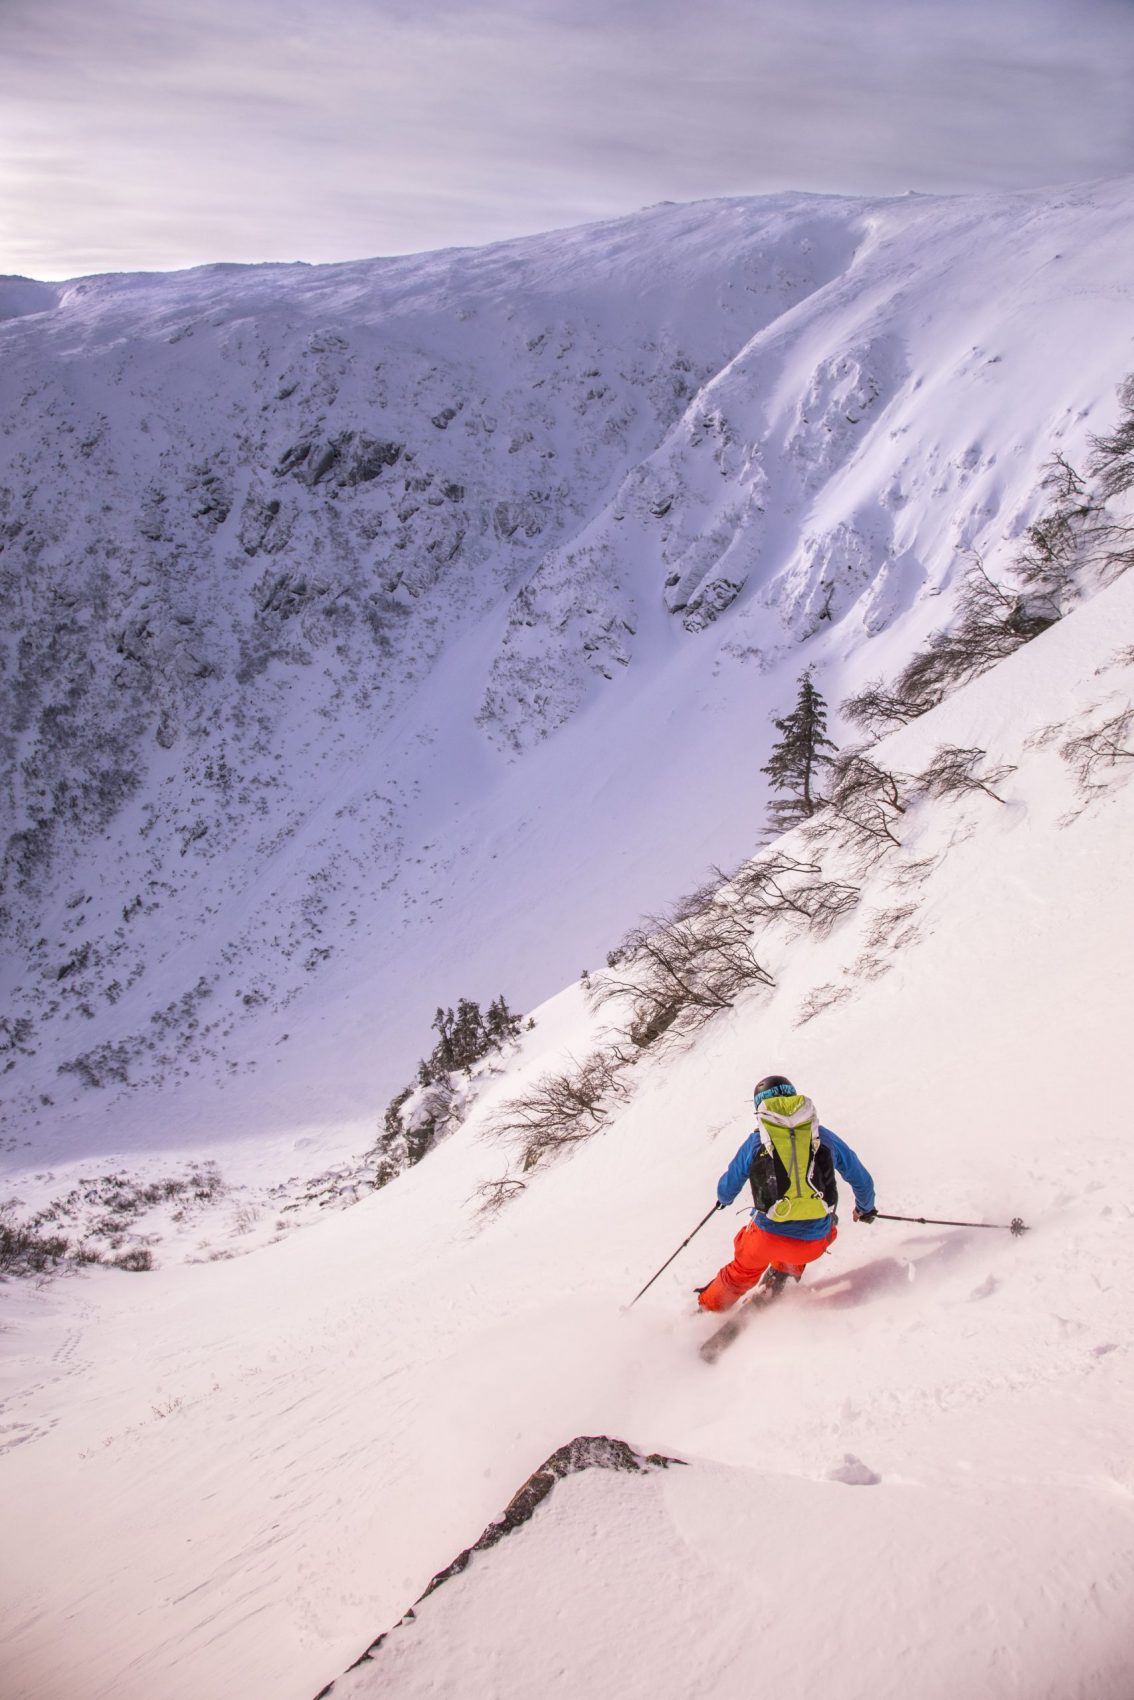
{"type": "Point", "coordinates": [161, 133]}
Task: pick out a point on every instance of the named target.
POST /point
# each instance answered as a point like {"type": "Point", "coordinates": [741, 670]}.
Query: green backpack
{"type": "Point", "coordinates": [792, 1174]}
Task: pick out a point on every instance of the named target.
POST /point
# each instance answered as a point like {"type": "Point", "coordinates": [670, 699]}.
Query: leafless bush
{"type": "Point", "coordinates": [32, 1248]}
{"type": "Point", "coordinates": [890, 928]}
{"type": "Point", "coordinates": [649, 1020]}
{"type": "Point", "coordinates": [685, 908]}
{"type": "Point", "coordinates": [107, 1064]}
{"type": "Point", "coordinates": [687, 966]}
{"type": "Point", "coordinates": [1077, 535]}
{"type": "Point", "coordinates": [694, 902]}
{"type": "Point", "coordinates": [139, 1260]}
{"type": "Point", "coordinates": [1123, 657]}
{"type": "Point", "coordinates": [494, 1195]}
{"type": "Point", "coordinates": [1112, 457]}
{"type": "Point", "coordinates": [1102, 746]}
{"type": "Point", "coordinates": [820, 999]}
{"type": "Point", "coordinates": [1045, 736]}
{"type": "Point", "coordinates": [1078, 532]}
{"type": "Point", "coordinates": [995, 620]}
{"type": "Point", "coordinates": [25, 1249]}
{"type": "Point", "coordinates": [124, 1197]}
{"type": "Point", "coordinates": [96, 1219]}
{"type": "Point", "coordinates": [871, 966]}
{"type": "Point", "coordinates": [914, 872]}
{"type": "Point", "coordinates": [859, 784]}
{"type": "Point", "coordinates": [879, 710]}
{"type": "Point", "coordinates": [864, 804]}
{"type": "Point", "coordinates": [782, 888]}
{"type": "Point", "coordinates": [953, 772]}
{"type": "Point", "coordinates": [561, 1108]}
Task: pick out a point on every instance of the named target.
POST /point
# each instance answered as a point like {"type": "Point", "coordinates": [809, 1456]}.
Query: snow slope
{"type": "Point", "coordinates": [228, 1480]}
{"type": "Point", "coordinates": [383, 633]}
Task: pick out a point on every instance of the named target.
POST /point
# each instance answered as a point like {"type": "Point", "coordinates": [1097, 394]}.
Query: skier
{"type": "Point", "coordinates": [790, 1161]}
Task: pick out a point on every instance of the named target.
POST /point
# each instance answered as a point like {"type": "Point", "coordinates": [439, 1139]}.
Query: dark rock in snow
{"type": "Point", "coordinates": [291, 458]}
{"type": "Point", "coordinates": [364, 458]}
{"type": "Point", "coordinates": [586, 1452]}
{"type": "Point", "coordinates": [853, 1472]}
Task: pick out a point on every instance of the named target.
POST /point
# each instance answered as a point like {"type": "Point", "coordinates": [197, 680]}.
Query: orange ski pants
{"type": "Point", "coordinates": [754, 1249]}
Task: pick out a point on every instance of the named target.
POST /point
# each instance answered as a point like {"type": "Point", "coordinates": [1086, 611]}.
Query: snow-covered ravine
{"type": "Point", "coordinates": [230, 1479]}
{"type": "Point", "coordinates": [383, 633]}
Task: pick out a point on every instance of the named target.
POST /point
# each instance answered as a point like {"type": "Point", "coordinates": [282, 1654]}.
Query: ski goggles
{"type": "Point", "coordinates": [772, 1092]}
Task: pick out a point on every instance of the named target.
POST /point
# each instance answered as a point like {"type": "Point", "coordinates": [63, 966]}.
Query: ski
{"type": "Point", "coordinates": [764, 1295]}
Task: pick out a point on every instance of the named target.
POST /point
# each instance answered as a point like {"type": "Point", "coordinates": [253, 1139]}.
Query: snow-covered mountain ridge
{"type": "Point", "coordinates": [384, 632]}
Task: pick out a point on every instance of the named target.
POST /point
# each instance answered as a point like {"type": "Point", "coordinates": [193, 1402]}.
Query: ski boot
{"type": "Point", "coordinates": [775, 1279]}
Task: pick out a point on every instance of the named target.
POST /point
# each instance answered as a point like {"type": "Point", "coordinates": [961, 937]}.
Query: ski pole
{"type": "Point", "coordinates": [680, 1248]}
{"type": "Point", "coordinates": [1015, 1226]}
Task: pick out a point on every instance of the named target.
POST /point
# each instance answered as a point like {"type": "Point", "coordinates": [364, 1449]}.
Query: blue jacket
{"type": "Point", "coordinates": [847, 1164]}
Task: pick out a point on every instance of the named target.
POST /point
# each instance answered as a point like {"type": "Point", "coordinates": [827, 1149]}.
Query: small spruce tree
{"type": "Point", "coordinates": [797, 757]}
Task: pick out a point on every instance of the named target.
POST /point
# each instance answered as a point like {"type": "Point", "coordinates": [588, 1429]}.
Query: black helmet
{"type": "Point", "coordinates": [772, 1086]}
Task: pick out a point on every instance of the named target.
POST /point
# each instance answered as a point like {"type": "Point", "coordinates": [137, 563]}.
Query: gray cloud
{"type": "Point", "coordinates": [139, 134]}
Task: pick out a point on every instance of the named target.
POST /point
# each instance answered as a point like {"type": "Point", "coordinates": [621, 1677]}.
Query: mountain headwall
{"type": "Point", "coordinates": [381, 632]}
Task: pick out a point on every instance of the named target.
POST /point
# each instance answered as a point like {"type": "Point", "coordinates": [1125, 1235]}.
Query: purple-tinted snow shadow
{"type": "Point", "coordinates": [888, 1274]}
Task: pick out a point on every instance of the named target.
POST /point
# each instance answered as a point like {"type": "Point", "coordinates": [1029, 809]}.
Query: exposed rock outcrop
{"type": "Point", "coordinates": [586, 1452]}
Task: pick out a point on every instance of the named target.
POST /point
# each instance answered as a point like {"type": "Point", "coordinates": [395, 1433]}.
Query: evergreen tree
{"type": "Point", "coordinates": [463, 1038]}
{"type": "Point", "coordinates": [797, 757]}
{"type": "Point", "coordinates": [444, 1055]}
{"type": "Point", "coordinates": [468, 1037]}
{"type": "Point", "coordinates": [502, 1022]}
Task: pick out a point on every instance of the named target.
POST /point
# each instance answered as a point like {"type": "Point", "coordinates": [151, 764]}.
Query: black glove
{"type": "Point", "coordinates": [864, 1215]}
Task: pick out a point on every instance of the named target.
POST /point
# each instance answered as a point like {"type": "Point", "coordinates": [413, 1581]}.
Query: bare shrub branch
{"type": "Point", "coordinates": [1076, 536]}
{"type": "Point", "coordinates": [694, 902]}
{"type": "Point", "coordinates": [878, 710]}
{"type": "Point", "coordinates": [995, 620]}
{"type": "Point", "coordinates": [689, 966]}
{"type": "Point", "coordinates": [1075, 533]}
{"type": "Point", "coordinates": [1103, 745]}
{"type": "Point", "coordinates": [494, 1195]}
{"type": "Point", "coordinates": [1112, 457]}
{"type": "Point", "coordinates": [781, 888]}
{"type": "Point", "coordinates": [915, 872]}
{"type": "Point", "coordinates": [820, 999]}
{"type": "Point", "coordinates": [953, 772]}
{"type": "Point", "coordinates": [26, 1249]}
{"type": "Point", "coordinates": [561, 1108]}
{"type": "Point", "coordinates": [871, 965]}
{"type": "Point", "coordinates": [863, 807]}
{"type": "Point", "coordinates": [1123, 657]}
{"type": "Point", "coordinates": [890, 929]}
